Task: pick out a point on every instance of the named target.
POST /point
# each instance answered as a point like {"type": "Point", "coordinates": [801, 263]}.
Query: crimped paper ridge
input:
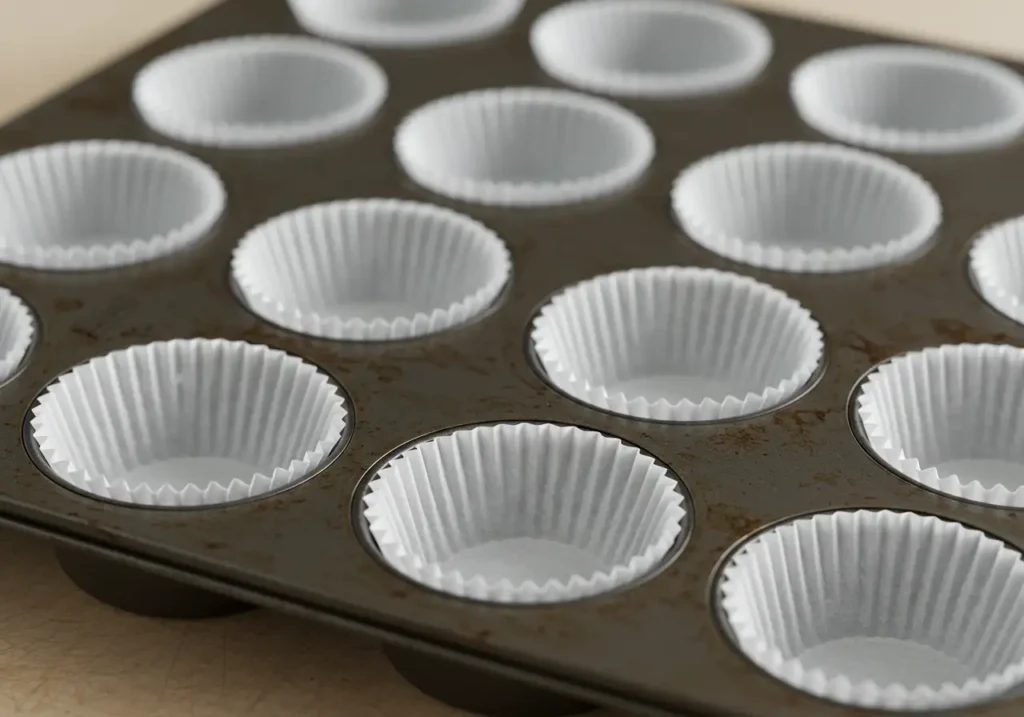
{"type": "Point", "coordinates": [17, 330]}
{"type": "Point", "coordinates": [296, 268]}
{"type": "Point", "coordinates": [188, 398]}
{"type": "Point", "coordinates": [515, 480]}
{"type": "Point", "coordinates": [997, 266]}
{"type": "Point", "coordinates": [568, 38]}
{"type": "Point", "coordinates": [479, 146]}
{"type": "Point", "coordinates": [879, 574]}
{"type": "Point", "coordinates": [858, 209]}
{"type": "Point", "coordinates": [181, 93]}
{"type": "Point", "coordinates": [678, 320]}
{"type": "Point", "coordinates": [100, 204]}
{"type": "Point", "coordinates": [398, 25]}
{"type": "Point", "coordinates": [951, 402]}
{"type": "Point", "coordinates": [842, 93]}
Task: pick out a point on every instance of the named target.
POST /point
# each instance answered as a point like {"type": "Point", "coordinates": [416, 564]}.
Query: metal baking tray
{"type": "Point", "coordinates": [657, 648]}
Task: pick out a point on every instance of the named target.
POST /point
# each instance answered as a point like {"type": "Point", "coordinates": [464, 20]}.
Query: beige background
{"type": "Point", "coordinates": [62, 653]}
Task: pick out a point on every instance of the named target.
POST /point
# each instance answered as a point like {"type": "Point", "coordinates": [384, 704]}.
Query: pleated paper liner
{"type": "Point", "coordinates": [997, 267]}
{"type": "Point", "coordinates": [950, 418]}
{"type": "Point", "coordinates": [805, 207]}
{"type": "Point", "coordinates": [651, 48]}
{"type": "Point", "coordinates": [879, 609]}
{"type": "Point", "coordinates": [903, 98]}
{"type": "Point", "coordinates": [259, 91]}
{"type": "Point", "coordinates": [523, 513]}
{"type": "Point", "coordinates": [188, 422]}
{"type": "Point", "coordinates": [371, 269]}
{"type": "Point", "coordinates": [17, 333]}
{"type": "Point", "coordinates": [101, 204]}
{"type": "Point", "coordinates": [405, 23]}
{"type": "Point", "coordinates": [677, 344]}
{"type": "Point", "coordinates": [523, 147]}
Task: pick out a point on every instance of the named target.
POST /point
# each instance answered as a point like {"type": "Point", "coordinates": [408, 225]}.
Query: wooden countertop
{"type": "Point", "coordinates": [62, 653]}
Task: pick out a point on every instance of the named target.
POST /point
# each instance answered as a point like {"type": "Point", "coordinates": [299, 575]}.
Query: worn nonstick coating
{"type": "Point", "coordinates": [655, 648]}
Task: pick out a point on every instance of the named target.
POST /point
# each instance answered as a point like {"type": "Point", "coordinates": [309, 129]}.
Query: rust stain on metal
{"type": "Point", "coordinates": [826, 478]}
{"type": "Point", "coordinates": [798, 422]}
{"type": "Point", "coordinates": [740, 439]}
{"type": "Point", "coordinates": [730, 519]}
{"type": "Point", "coordinates": [445, 357]}
{"type": "Point", "coordinates": [874, 351]}
{"type": "Point", "coordinates": [958, 332]}
{"type": "Point", "coordinates": [85, 334]}
{"type": "Point", "coordinates": [386, 373]}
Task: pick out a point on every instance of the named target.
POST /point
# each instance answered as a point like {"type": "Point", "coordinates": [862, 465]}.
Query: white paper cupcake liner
{"type": "Point", "coordinates": [805, 207]}
{"type": "Point", "coordinates": [17, 332]}
{"type": "Point", "coordinates": [677, 344]}
{"type": "Point", "coordinates": [405, 23]}
{"type": "Point", "coordinates": [904, 98]}
{"type": "Point", "coordinates": [259, 91]}
{"type": "Point", "coordinates": [523, 146]}
{"type": "Point", "coordinates": [523, 513]}
{"type": "Point", "coordinates": [880, 609]}
{"type": "Point", "coordinates": [103, 204]}
{"type": "Point", "coordinates": [997, 267]}
{"type": "Point", "coordinates": [372, 269]}
{"type": "Point", "coordinates": [188, 423]}
{"type": "Point", "coordinates": [950, 418]}
{"type": "Point", "coordinates": [650, 48]}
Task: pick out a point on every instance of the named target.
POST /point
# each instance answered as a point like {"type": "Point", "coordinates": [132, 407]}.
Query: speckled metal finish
{"type": "Point", "coordinates": [656, 648]}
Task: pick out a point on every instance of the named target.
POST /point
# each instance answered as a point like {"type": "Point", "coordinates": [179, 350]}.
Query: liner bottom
{"type": "Point", "coordinates": [673, 389]}
{"type": "Point", "coordinates": [885, 661]}
{"type": "Point", "coordinates": [140, 592]}
{"type": "Point", "coordinates": [179, 472]}
{"type": "Point", "coordinates": [477, 691]}
{"type": "Point", "coordinates": [522, 559]}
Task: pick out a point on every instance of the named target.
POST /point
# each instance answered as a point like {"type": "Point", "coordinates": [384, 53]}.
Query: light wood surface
{"type": "Point", "coordinates": [62, 653]}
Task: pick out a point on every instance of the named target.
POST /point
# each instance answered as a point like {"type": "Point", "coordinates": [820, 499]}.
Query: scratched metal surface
{"type": "Point", "coordinates": [656, 647]}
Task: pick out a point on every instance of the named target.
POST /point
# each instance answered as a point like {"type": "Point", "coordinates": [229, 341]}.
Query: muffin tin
{"type": "Point", "coordinates": [663, 644]}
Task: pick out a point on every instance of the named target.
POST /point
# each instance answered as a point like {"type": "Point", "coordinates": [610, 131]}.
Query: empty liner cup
{"type": "Point", "coordinates": [259, 91]}
{"type": "Point", "coordinates": [100, 204]}
{"type": "Point", "coordinates": [997, 267]}
{"type": "Point", "coordinates": [177, 424]}
{"type": "Point", "coordinates": [650, 48]}
{"type": "Point", "coordinates": [523, 147]}
{"type": "Point", "coordinates": [188, 422]}
{"type": "Point", "coordinates": [806, 207]}
{"type": "Point", "coordinates": [878, 609]}
{"type": "Point", "coordinates": [677, 344]}
{"type": "Point", "coordinates": [370, 269]}
{"type": "Point", "coordinates": [17, 332]}
{"type": "Point", "coordinates": [949, 418]}
{"type": "Point", "coordinates": [903, 98]}
{"type": "Point", "coordinates": [523, 513]}
{"type": "Point", "coordinates": [405, 23]}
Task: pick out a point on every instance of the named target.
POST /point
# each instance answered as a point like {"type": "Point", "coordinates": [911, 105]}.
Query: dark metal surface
{"type": "Point", "coordinates": [656, 648]}
{"type": "Point", "coordinates": [478, 692]}
{"type": "Point", "coordinates": [141, 592]}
